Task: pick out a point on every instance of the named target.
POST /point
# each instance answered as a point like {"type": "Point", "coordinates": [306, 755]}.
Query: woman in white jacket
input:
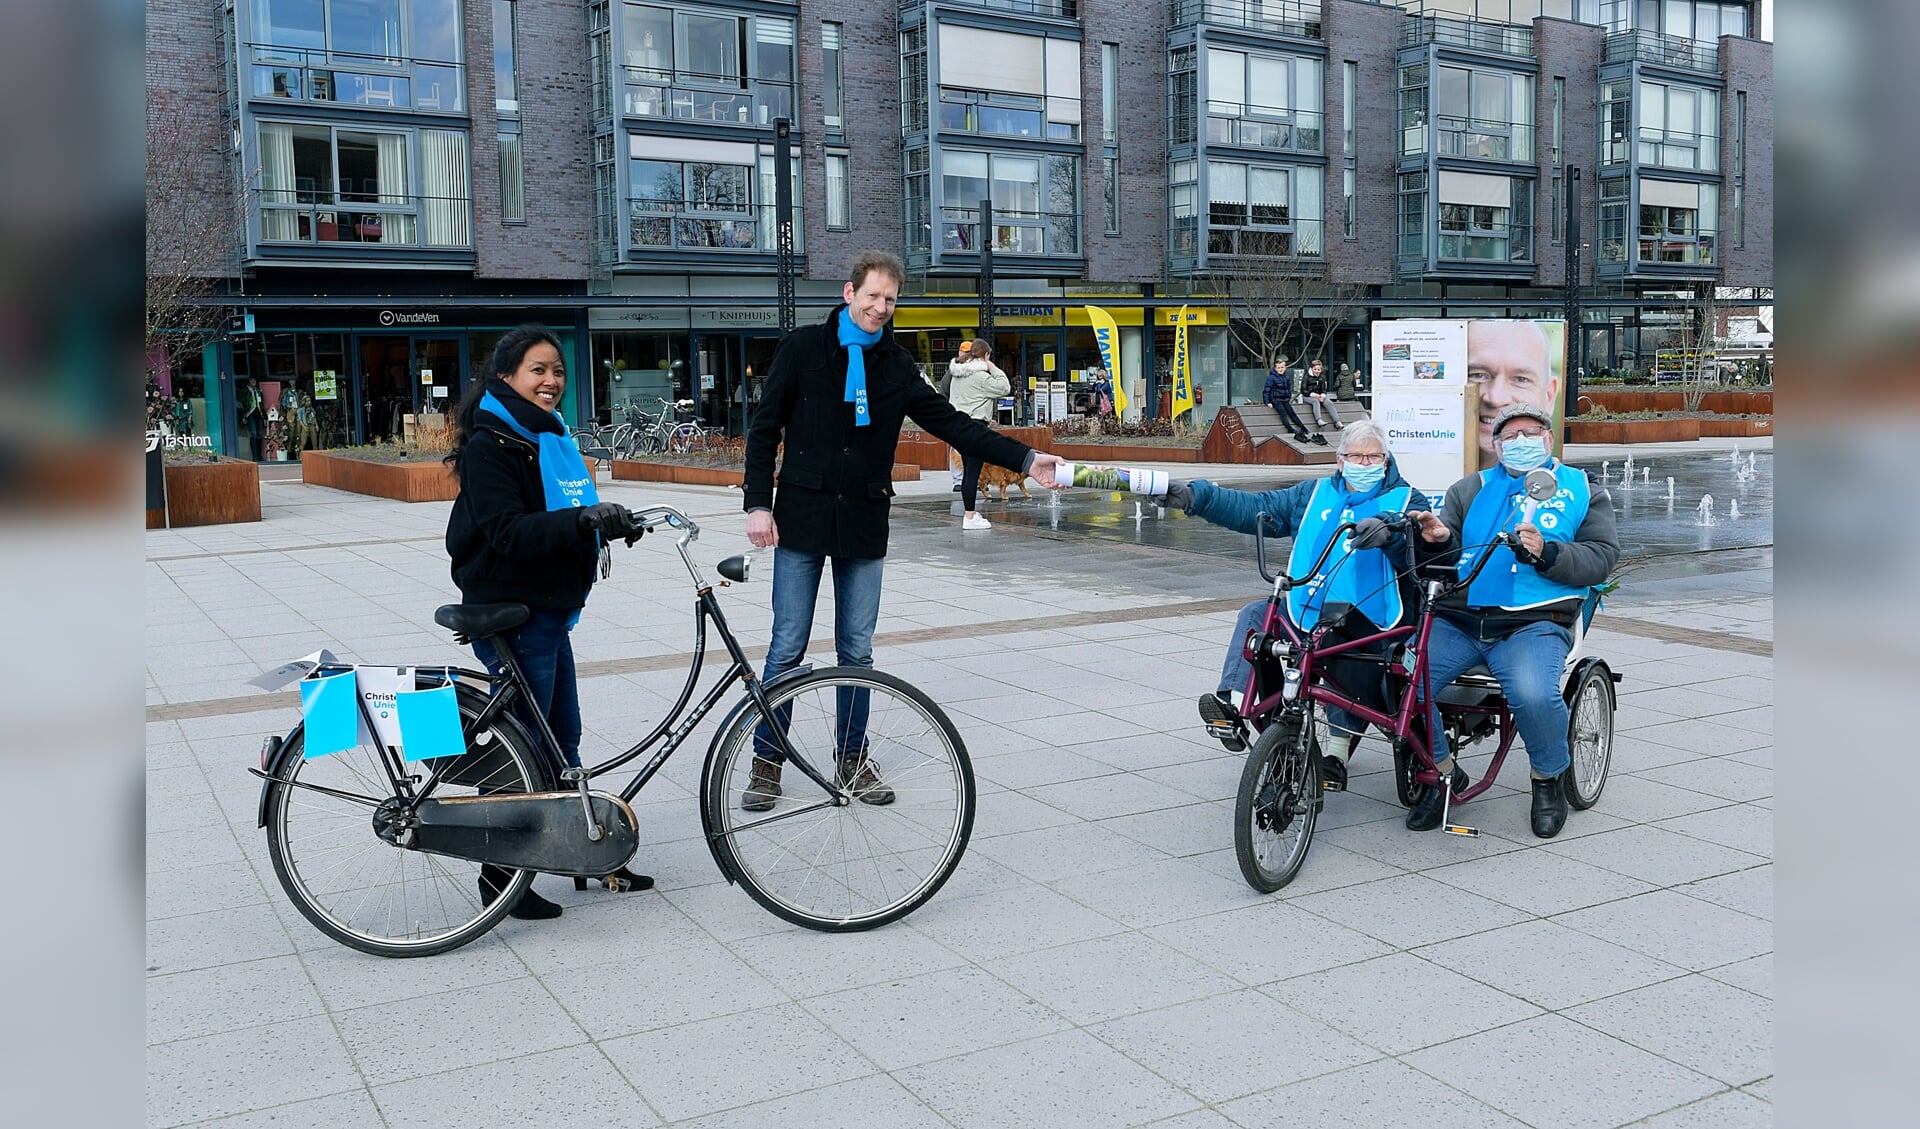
{"type": "Point", "coordinates": [976, 385]}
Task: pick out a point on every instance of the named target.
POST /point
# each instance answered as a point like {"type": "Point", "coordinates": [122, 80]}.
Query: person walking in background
{"type": "Point", "coordinates": [528, 528]}
{"type": "Point", "coordinates": [1319, 395]}
{"type": "Point", "coordinates": [835, 401]}
{"type": "Point", "coordinates": [1343, 382]}
{"type": "Point", "coordinates": [1278, 394]}
{"type": "Point", "coordinates": [977, 386]}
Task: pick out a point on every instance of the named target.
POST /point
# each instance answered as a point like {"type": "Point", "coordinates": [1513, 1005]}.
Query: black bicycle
{"type": "Point", "coordinates": [383, 854]}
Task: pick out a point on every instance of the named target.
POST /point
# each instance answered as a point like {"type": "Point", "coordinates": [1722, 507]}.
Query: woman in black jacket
{"type": "Point", "coordinates": [528, 528]}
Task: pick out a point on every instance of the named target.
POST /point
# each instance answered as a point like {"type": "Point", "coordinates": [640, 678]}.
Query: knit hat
{"type": "Point", "coordinates": [1515, 411]}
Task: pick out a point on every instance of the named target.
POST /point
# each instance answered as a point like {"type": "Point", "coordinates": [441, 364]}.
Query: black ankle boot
{"type": "Point", "coordinates": [1427, 806]}
{"type": "Point", "coordinates": [619, 880]}
{"type": "Point", "coordinates": [530, 907]}
{"type": "Point", "coordinates": [1549, 807]}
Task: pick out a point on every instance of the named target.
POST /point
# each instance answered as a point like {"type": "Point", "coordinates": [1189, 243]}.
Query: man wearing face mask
{"type": "Point", "coordinates": [1360, 574]}
{"type": "Point", "coordinates": [1518, 615]}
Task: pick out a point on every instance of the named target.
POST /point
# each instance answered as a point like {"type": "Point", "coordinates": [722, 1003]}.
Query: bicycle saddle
{"type": "Point", "coordinates": [476, 621]}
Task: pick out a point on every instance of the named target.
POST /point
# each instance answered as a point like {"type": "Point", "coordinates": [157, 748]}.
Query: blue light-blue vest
{"type": "Point", "coordinates": [1499, 507]}
{"type": "Point", "coordinates": [1364, 579]}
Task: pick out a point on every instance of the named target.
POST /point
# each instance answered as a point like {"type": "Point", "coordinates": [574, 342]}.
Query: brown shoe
{"type": "Point", "coordinates": [857, 774]}
{"type": "Point", "coordinates": [763, 787]}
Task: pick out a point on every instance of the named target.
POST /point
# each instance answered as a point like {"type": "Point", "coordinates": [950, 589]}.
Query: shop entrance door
{"type": "Point", "coordinates": [386, 387]}
{"type": "Point", "coordinates": [437, 374]}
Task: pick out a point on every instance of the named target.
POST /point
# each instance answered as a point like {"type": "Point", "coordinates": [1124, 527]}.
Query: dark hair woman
{"type": "Point", "coordinates": [528, 528]}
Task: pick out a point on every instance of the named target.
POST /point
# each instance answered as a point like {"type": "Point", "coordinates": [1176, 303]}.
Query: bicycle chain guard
{"type": "Point", "coordinates": [543, 831]}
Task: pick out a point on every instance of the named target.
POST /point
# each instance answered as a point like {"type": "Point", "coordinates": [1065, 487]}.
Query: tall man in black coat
{"type": "Point", "coordinates": [836, 397]}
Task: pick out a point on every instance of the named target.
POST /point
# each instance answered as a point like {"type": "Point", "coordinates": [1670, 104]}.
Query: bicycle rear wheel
{"type": "Point", "coordinates": [1278, 804]}
{"type": "Point", "coordinates": [363, 891]}
{"type": "Point", "coordinates": [1589, 736]}
{"type": "Point", "coordinates": [831, 861]}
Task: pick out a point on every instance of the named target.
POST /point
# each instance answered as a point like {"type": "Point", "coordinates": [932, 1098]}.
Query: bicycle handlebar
{"type": "Point", "coordinates": [1260, 551]}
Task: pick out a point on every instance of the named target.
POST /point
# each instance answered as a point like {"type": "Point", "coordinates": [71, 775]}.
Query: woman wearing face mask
{"type": "Point", "coordinates": [1360, 574]}
{"type": "Point", "coordinates": [1518, 615]}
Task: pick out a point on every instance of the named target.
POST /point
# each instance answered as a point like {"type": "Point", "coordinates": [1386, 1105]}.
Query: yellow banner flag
{"type": "Point", "coordinates": [1107, 336]}
{"type": "Point", "coordinates": [1182, 369]}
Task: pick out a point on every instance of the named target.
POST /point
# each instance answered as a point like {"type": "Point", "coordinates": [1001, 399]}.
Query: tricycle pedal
{"type": "Point", "coordinates": [1461, 829]}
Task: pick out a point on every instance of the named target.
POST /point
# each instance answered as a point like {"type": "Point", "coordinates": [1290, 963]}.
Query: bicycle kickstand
{"type": "Point", "coordinates": [595, 832]}
{"type": "Point", "coordinates": [1446, 813]}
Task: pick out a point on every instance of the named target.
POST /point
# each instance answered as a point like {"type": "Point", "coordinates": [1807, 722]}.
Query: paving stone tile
{"type": "Point", "coordinates": [1399, 1002]}
{"type": "Point", "coordinates": [353, 1107]}
{"type": "Point", "coordinates": [1007, 922]}
{"type": "Point", "coordinates": [1655, 855]}
{"type": "Point", "coordinates": [1389, 841]}
{"type": "Point", "coordinates": [1723, 776]}
{"type": "Point", "coordinates": [808, 963]}
{"type": "Point", "coordinates": [197, 1079]}
{"type": "Point", "coordinates": [1155, 892]}
{"type": "Point", "coordinates": [1085, 983]}
{"type": "Point", "coordinates": [1755, 974]}
{"type": "Point", "coordinates": [1410, 910]}
{"type": "Point", "coordinates": [1261, 943]}
{"type": "Point", "coordinates": [1383, 1094]}
{"type": "Point", "coordinates": [1549, 965]}
{"type": "Point", "coordinates": [700, 981]}
{"type": "Point", "coordinates": [692, 1069]}
{"type": "Point", "coordinates": [1192, 829]}
{"type": "Point", "coordinates": [907, 1020]}
{"type": "Point", "coordinates": [1669, 926]}
{"type": "Point", "coordinates": [1034, 767]}
{"type": "Point", "coordinates": [1039, 1084]}
{"type": "Point", "coordinates": [1734, 1109]}
{"type": "Point", "coordinates": [1574, 1077]}
{"type": "Point", "coordinates": [1638, 798]}
{"type": "Point", "coordinates": [573, 1085]}
{"type": "Point", "coordinates": [456, 1029]}
{"type": "Point", "coordinates": [1120, 793]}
{"type": "Point", "coordinates": [209, 940]}
{"type": "Point", "coordinates": [1052, 853]}
{"type": "Point", "coordinates": [1538, 881]}
{"type": "Point", "coordinates": [1228, 1046]}
{"type": "Point", "coordinates": [1009, 813]}
{"type": "Point", "coordinates": [1704, 1025]}
{"type": "Point", "coordinates": [207, 1001]}
{"type": "Point", "coordinates": [1749, 891]}
{"type": "Point", "coordinates": [873, 1102]}
{"type": "Point", "coordinates": [1703, 736]}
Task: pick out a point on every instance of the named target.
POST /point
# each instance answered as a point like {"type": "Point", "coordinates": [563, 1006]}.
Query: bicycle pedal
{"type": "Point", "coordinates": [1461, 829]}
{"type": "Point", "coordinates": [613, 883]}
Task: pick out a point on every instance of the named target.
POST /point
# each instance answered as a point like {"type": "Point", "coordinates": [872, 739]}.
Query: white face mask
{"type": "Point", "coordinates": [1523, 453]}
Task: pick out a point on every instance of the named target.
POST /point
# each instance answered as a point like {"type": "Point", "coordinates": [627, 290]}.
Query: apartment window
{"type": "Point", "coordinates": [1485, 218]}
{"type": "Point", "coordinates": [1740, 169]}
{"type": "Point", "coordinates": [329, 184]}
{"type": "Point", "coordinates": [1349, 221]}
{"type": "Point", "coordinates": [833, 73]}
{"type": "Point", "coordinates": [506, 107]}
{"type": "Point", "coordinates": [1616, 116]}
{"type": "Point", "coordinates": [1263, 101]}
{"type": "Point", "coordinates": [1110, 193]}
{"type": "Point", "coordinates": [839, 206]}
{"type": "Point", "coordinates": [706, 66]}
{"type": "Point", "coordinates": [1182, 93]}
{"type": "Point", "coordinates": [1679, 126]}
{"type": "Point", "coordinates": [1183, 213]}
{"type": "Point", "coordinates": [1483, 113]}
{"type": "Point", "coordinates": [1559, 205]}
{"type": "Point", "coordinates": [687, 193]}
{"type": "Point", "coordinates": [1349, 85]}
{"type": "Point", "coordinates": [1678, 222]}
{"type": "Point", "coordinates": [1004, 84]}
{"type": "Point", "coordinates": [1559, 115]}
{"type": "Point", "coordinates": [1035, 201]}
{"type": "Point", "coordinates": [1262, 210]}
{"type": "Point", "coordinates": [368, 52]}
{"type": "Point", "coordinates": [1613, 219]}
{"type": "Point", "coordinates": [1412, 110]}
{"type": "Point", "coordinates": [1110, 93]}
{"type": "Point", "coordinates": [1412, 225]}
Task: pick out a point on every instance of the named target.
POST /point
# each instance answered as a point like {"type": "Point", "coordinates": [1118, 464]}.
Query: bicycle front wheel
{"type": "Point", "coordinates": [364, 891]}
{"type": "Point", "coordinates": [849, 859]}
{"type": "Point", "coordinates": [1278, 804]}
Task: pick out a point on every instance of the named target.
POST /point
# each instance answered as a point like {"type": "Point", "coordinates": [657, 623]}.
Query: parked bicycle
{"type": "Point", "coordinates": [381, 854]}
{"type": "Point", "coordinates": [1281, 793]}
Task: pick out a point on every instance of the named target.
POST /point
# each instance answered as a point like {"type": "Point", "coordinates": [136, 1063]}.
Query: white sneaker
{"type": "Point", "coordinates": [975, 521]}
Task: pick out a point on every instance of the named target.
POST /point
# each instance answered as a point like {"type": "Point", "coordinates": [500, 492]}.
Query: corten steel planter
{"type": "Point", "coordinates": [1650, 400]}
{"type": "Point", "coordinates": [1127, 454]}
{"type": "Point", "coordinates": [402, 482]}
{"type": "Point", "coordinates": [221, 492]}
{"type": "Point", "coordinates": [1736, 428]}
{"type": "Point", "coordinates": [688, 474]}
{"type": "Point", "coordinates": [924, 451]}
{"type": "Point", "coordinates": [1632, 430]}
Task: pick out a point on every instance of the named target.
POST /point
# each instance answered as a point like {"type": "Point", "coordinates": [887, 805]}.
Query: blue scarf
{"type": "Point", "coordinates": [857, 341]}
{"type": "Point", "coordinates": [563, 473]}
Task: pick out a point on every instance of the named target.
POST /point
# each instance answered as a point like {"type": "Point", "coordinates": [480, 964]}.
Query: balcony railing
{"type": "Point", "coordinates": [1286, 17]}
{"type": "Point", "coordinates": [1491, 141]}
{"type": "Point", "coordinates": [1003, 115]}
{"type": "Point", "coordinates": [1302, 241]}
{"type": "Point", "coordinates": [719, 99]}
{"type": "Point", "coordinates": [394, 221]}
{"type": "Point", "coordinates": [652, 229]}
{"type": "Point", "coordinates": [1499, 39]}
{"type": "Point", "coordinates": [1673, 149]}
{"type": "Point", "coordinates": [316, 75]}
{"type": "Point", "coordinates": [1014, 233]}
{"type": "Point", "coordinates": [1058, 9]}
{"type": "Point", "coordinates": [1665, 50]}
{"type": "Point", "coordinates": [1675, 250]}
{"type": "Point", "coordinates": [1303, 134]}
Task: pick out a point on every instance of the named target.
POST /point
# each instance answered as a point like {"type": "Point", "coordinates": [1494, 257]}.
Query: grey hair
{"type": "Point", "coordinates": [1359, 431]}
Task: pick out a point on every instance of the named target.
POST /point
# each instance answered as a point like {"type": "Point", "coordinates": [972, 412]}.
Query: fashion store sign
{"type": "Point", "coordinates": [398, 317]}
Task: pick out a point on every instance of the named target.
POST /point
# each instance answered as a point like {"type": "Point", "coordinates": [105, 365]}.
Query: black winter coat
{"type": "Point", "coordinates": [836, 480]}
{"type": "Point", "coordinates": [507, 547]}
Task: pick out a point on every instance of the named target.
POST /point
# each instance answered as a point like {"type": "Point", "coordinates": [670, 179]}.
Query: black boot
{"type": "Point", "coordinates": [530, 907]}
{"type": "Point", "coordinates": [1549, 807]}
{"type": "Point", "coordinates": [619, 880]}
{"type": "Point", "coordinates": [1427, 806]}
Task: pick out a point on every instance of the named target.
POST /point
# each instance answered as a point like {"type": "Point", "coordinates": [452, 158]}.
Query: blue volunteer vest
{"type": "Point", "coordinates": [1498, 508]}
{"type": "Point", "coordinates": [1364, 579]}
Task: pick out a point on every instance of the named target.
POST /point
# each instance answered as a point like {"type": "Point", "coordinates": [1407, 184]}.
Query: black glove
{"type": "Point", "coordinates": [1521, 554]}
{"type": "Point", "coordinates": [1370, 533]}
{"type": "Point", "coordinates": [610, 520]}
{"type": "Point", "coordinates": [1179, 494]}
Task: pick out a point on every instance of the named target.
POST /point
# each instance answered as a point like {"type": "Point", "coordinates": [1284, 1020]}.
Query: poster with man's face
{"type": "Point", "coordinates": [1439, 384]}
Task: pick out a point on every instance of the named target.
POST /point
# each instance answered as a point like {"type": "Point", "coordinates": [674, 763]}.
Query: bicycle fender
{"type": "Point", "coordinates": [1580, 672]}
{"type": "Point", "coordinates": [272, 769]}
{"type": "Point", "coordinates": [735, 717]}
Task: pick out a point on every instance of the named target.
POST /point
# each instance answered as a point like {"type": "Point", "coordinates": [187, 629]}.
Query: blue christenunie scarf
{"type": "Point", "coordinates": [563, 473]}
{"type": "Point", "coordinates": [857, 341]}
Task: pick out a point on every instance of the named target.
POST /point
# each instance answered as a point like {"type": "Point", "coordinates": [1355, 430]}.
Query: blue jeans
{"type": "Point", "coordinates": [1236, 672]}
{"type": "Point", "coordinates": [544, 651]}
{"type": "Point", "coordinates": [1528, 664]}
{"type": "Point", "coordinates": [856, 609]}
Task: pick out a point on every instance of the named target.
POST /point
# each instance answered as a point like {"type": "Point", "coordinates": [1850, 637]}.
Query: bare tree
{"type": "Point", "coordinates": [1689, 354]}
{"type": "Point", "coordinates": [192, 221]}
{"type": "Point", "coordinates": [1283, 305]}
